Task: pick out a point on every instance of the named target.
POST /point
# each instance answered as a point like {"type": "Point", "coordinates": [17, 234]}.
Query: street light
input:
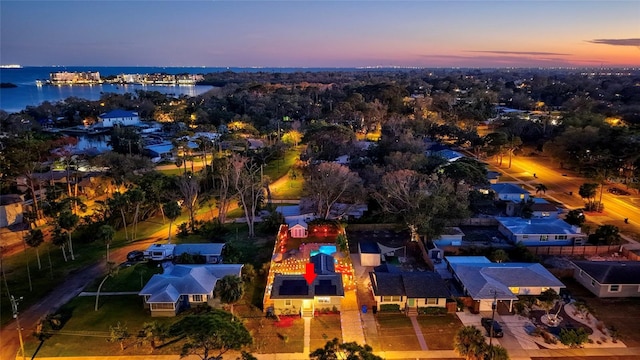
{"type": "Point", "coordinates": [14, 308]}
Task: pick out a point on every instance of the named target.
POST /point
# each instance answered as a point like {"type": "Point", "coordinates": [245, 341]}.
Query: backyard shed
{"type": "Point", "coordinates": [369, 253]}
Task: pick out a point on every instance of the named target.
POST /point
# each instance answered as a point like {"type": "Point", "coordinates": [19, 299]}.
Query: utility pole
{"type": "Point", "coordinates": [14, 308]}
{"type": "Point", "coordinates": [494, 304]}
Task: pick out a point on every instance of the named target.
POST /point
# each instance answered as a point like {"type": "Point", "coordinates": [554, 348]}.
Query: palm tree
{"type": "Point", "coordinates": [34, 239]}
{"type": "Point", "coordinates": [68, 221]}
{"type": "Point", "coordinates": [137, 197]}
{"type": "Point", "coordinates": [469, 342]}
{"type": "Point", "coordinates": [541, 188]}
{"type": "Point", "coordinates": [230, 289]}
{"type": "Point", "coordinates": [171, 210]}
{"type": "Point", "coordinates": [59, 240]}
{"type": "Point", "coordinates": [106, 234]}
{"type": "Point", "coordinates": [120, 201]}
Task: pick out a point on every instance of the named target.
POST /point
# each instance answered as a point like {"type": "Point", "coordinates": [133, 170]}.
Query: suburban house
{"type": "Point", "coordinates": [609, 278]}
{"type": "Point", "coordinates": [181, 286]}
{"type": "Point", "coordinates": [540, 231]}
{"type": "Point", "coordinates": [484, 281]}
{"type": "Point", "coordinates": [509, 192]}
{"type": "Point", "coordinates": [118, 118]}
{"type": "Point", "coordinates": [291, 294]}
{"type": "Point", "coordinates": [493, 177]}
{"type": "Point", "coordinates": [541, 208]}
{"type": "Point", "coordinates": [211, 252]}
{"type": "Point", "coordinates": [409, 290]}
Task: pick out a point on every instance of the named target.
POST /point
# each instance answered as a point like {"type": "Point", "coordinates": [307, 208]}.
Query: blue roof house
{"type": "Point", "coordinates": [540, 231]}
{"type": "Point", "coordinates": [509, 192]}
{"type": "Point", "coordinates": [181, 286]}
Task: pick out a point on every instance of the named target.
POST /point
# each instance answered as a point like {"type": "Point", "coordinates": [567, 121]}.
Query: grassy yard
{"type": "Point", "coordinates": [130, 278]}
{"type": "Point", "coordinates": [439, 331]}
{"type": "Point", "coordinates": [86, 332]}
{"type": "Point", "coordinates": [395, 333]}
{"type": "Point", "coordinates": [269, 336]}
{"type": "Point", "coordinates": [324, 328]}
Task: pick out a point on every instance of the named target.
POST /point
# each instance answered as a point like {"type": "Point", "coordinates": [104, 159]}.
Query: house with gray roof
{"type": "Point", "coordinates": [409, 290]}
{"type": "Point", "coordinates": [291, 294]}
{"type": "Point", "coordinates": [483, 280]}
{"type": "Point", "coordinates": [609, 278]}
{"type": "Point", "coordinates": [211, 252]}
{"type": "Point", "coordinates": [181, 286]}
{"type": "Point", "coordinates": [509, 192]}
{"type": "Point", "coordinates": [540, 231]}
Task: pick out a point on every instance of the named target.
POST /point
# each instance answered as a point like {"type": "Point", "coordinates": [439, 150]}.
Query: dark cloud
{"type": "Point", "coordinates": [616, 42]}
{"type": "Point", "coordinates": [517, 52]}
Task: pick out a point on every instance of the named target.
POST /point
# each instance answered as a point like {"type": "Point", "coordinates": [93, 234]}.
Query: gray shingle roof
{"type": "Point", "coordinates": [186, 280]}
{"type": "Point", "coordinates": [612, 272]}
{"type": "Point", "coordinates": [415, 285]}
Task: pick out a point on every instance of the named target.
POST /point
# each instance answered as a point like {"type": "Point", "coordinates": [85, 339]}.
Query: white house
{"type": "Point", "coordinates": [181, 286]}
{"type": "Point", "coordinates": [509, 192]}
{"type": "Point", "coordinates": [540, 231]}
{"type": "Point", "coordinates": [483, 280]}
{"type": "Point", "coordinates": [118, 118]}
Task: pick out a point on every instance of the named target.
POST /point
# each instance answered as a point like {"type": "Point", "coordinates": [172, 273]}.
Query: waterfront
{"type": "Point", "coordinates": [29, 94]}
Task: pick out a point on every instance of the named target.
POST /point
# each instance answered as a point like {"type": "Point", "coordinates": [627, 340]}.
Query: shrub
{"type": "Point", "coordinates": [432, 310]}
{"type": "Point", "coordinates": [573, 337]}
{"type": "Point", "coordinates": [548, 337]}
{"type": "Point", "coordinates": [389, 307]}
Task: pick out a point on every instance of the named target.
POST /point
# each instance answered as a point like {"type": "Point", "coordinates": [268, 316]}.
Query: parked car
{"type": "Point", "coordinates": [497, 329]}
{"type": "Point", "coordinates": [135, 255]}
{"type": "Point", "coordinates": [617, 191]}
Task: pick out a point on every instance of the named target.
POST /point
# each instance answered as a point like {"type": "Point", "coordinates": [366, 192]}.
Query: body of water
{"type": "Point", "coordinates": [27, 93]}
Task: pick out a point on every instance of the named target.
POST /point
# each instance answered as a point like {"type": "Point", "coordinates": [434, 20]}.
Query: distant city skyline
{"type": "Point", "coordinates": [321, 33]}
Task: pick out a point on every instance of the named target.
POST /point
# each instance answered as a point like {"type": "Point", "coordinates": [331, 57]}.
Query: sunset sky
{"type": "Point", "coordinates": [319, 33]}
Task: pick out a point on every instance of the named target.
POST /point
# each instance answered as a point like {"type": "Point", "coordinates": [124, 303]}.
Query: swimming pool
{"type": "Point", "coordinates": [325, 249]}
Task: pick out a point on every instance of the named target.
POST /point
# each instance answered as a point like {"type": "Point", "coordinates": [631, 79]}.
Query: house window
{"type": "Point", "coordinates": [162, 306]}
{"type": "Point", "coordinates": [543, 289]}
{"type": "Point", "coordinates": [545, 214]}
{"type": "Point", "coordinates": [287, 303]}
{"type": "Point", "coordinates": [431, 301]}
{"type": "Point", "coordinates": [561, 237]}
{"type": "Point", "coordinates": [391, 298]}
{"type": "Point", "coordinates": [593, 283]}
{"type": "Point", "coordinates": [196, 298]}
{"type": "Point", "coordinates": [521, 196]}
{"type": "Point", "coordinates": [515, 289]}
{"type": "Point", "coordinates": [614, 288]}
{"type": "Point", "coordinates": [323, 300]}
{"type": "Point", "coordinates": [525, 236]}
{"type": "Point", "coordinates": [544, 237]}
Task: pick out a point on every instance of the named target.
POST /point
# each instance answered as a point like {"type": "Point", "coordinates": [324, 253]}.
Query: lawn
{"type": "Point", "coordinates": [324, 327]}
{"type": "Point", "coordinates": [271, 336]}
{"type": "Point", "coordinates": [439, 331]}
{"type": "Point", "coordinates": [130, 278]}
{"type": "Point", "coordinates": [611, 311]}
{"type": "Point", "coordinates": [86, 332]}
{"type": "Point", "coordinates": [395, 332]}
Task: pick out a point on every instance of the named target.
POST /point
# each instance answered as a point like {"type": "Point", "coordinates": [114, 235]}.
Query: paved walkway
{"type": "Point", "coordinates": [350, 318]}
{"type": "Point", "coordinates": [307, 336]}
{"type": "Point", "coordinates": [416, 328]}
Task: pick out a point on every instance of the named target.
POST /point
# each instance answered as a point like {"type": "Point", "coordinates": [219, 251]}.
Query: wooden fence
{"type": "Point", "coordinates": [586, 250]}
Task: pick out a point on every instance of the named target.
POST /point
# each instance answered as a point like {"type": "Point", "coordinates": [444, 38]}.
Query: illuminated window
{"type": "Point", "coordinates": [391, 298]}
{"type": "Point", "coordinates": [544, 237]}
{"type": "Point", "coordinates": [196, 298]}
{"type": "Point", "coordinates": [432, 301]}
{"type": "Point", "coordinates": [514, 289]}
{"type": "Point", "coordinates": [287, 303]}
